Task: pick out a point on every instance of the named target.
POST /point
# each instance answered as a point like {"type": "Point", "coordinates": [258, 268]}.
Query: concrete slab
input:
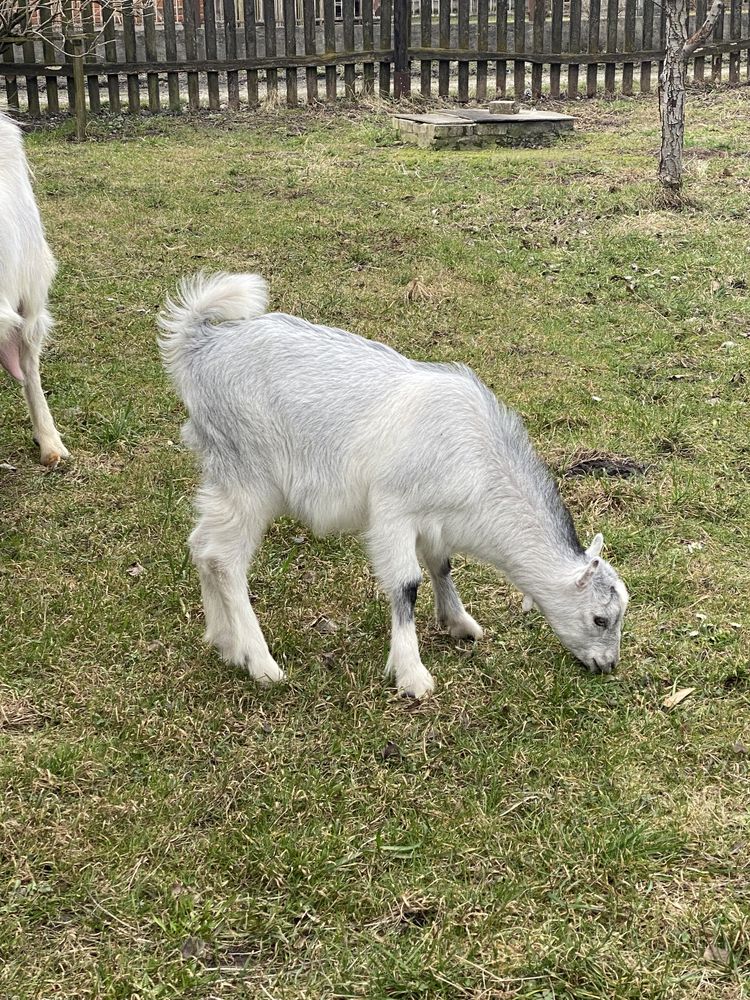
{"type": "Point", "coordinates": [470, 128]}
{"type": "Point", "coordinates": [482, 115]}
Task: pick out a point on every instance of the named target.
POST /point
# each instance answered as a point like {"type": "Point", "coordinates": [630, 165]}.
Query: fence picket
{"type": "Point", "coordinates": [463, 46]}
{"type": "Point", "coordinates": [67, 10]}
{"type": "Point", "coordinates": [131, 56]}
{"type": "Point", "coordinates": [149, 37]}
{"type": "Point", "coordinates": [329, 22]}
{"type": "Point", "coordinates": [401, 49]}
{"type": "Point", "coordinates": [348, 18]}
{"type": "Point", "coordinates": [170, 48]}
{"type": "Point", "coordinates": [48, 54]}
{"type": "Point", "coordinates": [230, 43]}
{"type": "Point", "coordinates": [647, 39]}
{"type": "Point", "coordinates": [368, 69]}
{"type": "Point", "coordinates": [251, 50]}
{"type": "Point", "coordinates": [11, 81]}
{"type": "Point", "coordinates": [519, 47]}
{"type": "Point", "coordinates": [92, 80]}
{"type": "Point", "coordinates": [32, 84]}
{"type": "Point", "coordinates": [190, 26]}
{"type": "Point", "coordinates": [540, 14]}
{"type": "Point", "coordinates": [556, 46]}
{"type": "Point", "coordinates": [290, 49]}
{"type": "Point", "coordinates": [613, 13]}
{"type": "Point", "coordinates": [386, 15]}
{"type": "Point", "coordinates": [501, 44]}
{"type": "Point", "coordinates": [444, 66]}
{"type": "Point", "coordinates": [574, 45]}
{"type": "Point", "coordinates": [483, 44]}
{"type": "Point", "coordinates": [629, 45]}
{"type": "Point", "coordinates": [735, 24]}
{"type": "Point", "coordinates": [209, 31]}
{"type": "Point", "coordinates": [269, 35]}
{"type": "Point", "coordinates": [311, 72]}
{"type": "Point", "coordinates": [662, 33]}
{"type": "Point", "coordinates": [718, 63]}
{"type": "Point", "coordinates": [425, 21]}
{"type": "Point", "coordinates": [594, 46]}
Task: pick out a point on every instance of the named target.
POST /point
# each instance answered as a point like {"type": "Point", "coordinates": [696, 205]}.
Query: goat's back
{"type": "Point", "coordinates": [322, 414]}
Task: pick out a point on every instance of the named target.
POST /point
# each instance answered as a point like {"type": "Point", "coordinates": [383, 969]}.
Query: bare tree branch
{"type": "Point", "coordinates": [27, 19]}
{"type": "Point", "coordinates": [704, 32]}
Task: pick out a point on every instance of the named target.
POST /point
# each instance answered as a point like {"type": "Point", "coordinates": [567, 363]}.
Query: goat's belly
{"type": "Point", "coordinates": [327, 511]}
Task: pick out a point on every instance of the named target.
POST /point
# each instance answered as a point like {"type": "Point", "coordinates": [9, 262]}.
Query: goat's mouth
{"type": "Point", "coordinates": [601, 666]}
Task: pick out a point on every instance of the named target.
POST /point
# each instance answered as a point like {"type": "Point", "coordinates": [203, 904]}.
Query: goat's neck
{"type": "Point", "coordinates": [529, 551]}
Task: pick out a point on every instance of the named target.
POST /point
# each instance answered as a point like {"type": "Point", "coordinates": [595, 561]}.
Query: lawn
{"type": "Point", "coordinates": [171, 830]}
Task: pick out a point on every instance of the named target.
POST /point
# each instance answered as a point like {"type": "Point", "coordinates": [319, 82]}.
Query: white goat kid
{"type": "Point", "coordinates": [27, 268]}
{"type": "Point", "coordinates": [345, 434]}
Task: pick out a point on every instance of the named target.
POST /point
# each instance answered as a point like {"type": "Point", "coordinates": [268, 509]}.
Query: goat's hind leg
{"type": "Point", "coordinates": [31, 337]}
{"type": "Point", "coordinates": [227, 536]}
{"type": "Point", "coordinates": [394, 559]}
{"type": "Point", "coordinates": [449, 609]}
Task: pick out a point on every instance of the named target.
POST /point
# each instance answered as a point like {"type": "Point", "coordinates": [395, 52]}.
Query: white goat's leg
{"type": "Point", "coordinates": [394, 559]}
{"type": "Point", "coordinates": [30, 341]}
{"type": "Point", "coordinates": [449, 609]}
{"type": "Point", "coordinates": [222, 544]}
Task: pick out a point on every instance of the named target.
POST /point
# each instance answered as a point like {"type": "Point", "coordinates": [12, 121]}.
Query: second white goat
{"type": "Point", "coordinates": [345, 434]}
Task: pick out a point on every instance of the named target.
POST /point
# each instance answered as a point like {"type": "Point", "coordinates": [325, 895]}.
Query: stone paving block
{"type": "Point", "coordinates": [502, 107]}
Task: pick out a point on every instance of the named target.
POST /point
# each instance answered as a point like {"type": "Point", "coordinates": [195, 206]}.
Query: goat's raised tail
{"type": "Point", "coordinates": [202, 302]}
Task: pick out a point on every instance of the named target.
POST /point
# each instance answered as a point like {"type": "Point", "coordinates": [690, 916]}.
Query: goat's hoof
{"type": "Point", "coordinates": [416, 685]}
{"type": "Point", "coordinates": [51, 459]}
{"type": "Point", "coordinates": [267, 674]}
{"type": "Point", "coordinates": [465, 628]}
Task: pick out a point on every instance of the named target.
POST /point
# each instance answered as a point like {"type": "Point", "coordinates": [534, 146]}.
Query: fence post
{"type": "Point", "coordinates": [80, 93]}
{"type": "Point", "coordinates": [401, 74]}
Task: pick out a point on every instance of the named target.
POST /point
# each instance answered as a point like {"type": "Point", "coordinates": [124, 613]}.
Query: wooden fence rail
{"type": "Point", "coordinates": [215, 53]}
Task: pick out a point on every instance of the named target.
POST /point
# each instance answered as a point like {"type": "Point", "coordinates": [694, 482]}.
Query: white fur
{"type": "Point", "coordinates": [27, 268]}
{"type": "Point", "coordinates": [346, 434]}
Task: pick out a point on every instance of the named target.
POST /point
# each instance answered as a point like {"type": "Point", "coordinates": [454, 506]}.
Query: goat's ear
{"type": "Point", "coordinates": [596, 546]}
{"type": "Point", "coordinates": [588, 573]}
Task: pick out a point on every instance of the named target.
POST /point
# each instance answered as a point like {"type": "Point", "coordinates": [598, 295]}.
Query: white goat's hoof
{"type": "Point", "coordinates": [465, 628]}
{"type": "Point", "coordinates": [51, 458]}
{"type": "Point", "coordinates": [262, 668]}
{"type": "Point", "coordinates": [415, 682]}
{"type": "Point", "coordinates": [267, 673]}
{"type": "Point", "coordinates": [528, 603]}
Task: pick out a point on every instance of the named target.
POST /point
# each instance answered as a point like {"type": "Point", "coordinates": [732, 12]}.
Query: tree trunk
{"type": "Point", "coordinates": [672, 96]}
{"type": "Point", "coordinates": [672, 81]}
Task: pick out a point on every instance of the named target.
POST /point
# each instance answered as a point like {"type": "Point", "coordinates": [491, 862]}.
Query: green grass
{"type": "Point", "coordinates": [170, 830]}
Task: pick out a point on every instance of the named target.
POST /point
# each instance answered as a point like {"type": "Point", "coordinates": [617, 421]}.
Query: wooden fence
{"type": "Point", "coordinates": [227, 52]}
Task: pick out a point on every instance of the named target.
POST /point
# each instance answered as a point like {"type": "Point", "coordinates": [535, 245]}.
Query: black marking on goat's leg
{"type": "Point", "coordinates": [445, 569]}
{"type": "Point", "coordinates": [404, 601]}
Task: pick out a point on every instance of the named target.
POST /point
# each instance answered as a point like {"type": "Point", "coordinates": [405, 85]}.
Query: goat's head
{"type": "Point", "coordinates": [586, 609]}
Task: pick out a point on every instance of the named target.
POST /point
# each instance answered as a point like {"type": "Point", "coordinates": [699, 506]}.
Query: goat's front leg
{"type": "Point", "coordinates": [449, 609]}
{"type": "Point", "coordinates": [394, 560]}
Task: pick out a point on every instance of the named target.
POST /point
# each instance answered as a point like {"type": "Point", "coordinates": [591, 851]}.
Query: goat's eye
{"type": "Point", "coordinates": [600, 622]}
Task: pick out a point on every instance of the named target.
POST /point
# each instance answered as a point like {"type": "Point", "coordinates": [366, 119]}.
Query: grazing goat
{"type": "Point", "coordinates": [345, 434]}
{"type": "Point", "coordinates": [27, 268]}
